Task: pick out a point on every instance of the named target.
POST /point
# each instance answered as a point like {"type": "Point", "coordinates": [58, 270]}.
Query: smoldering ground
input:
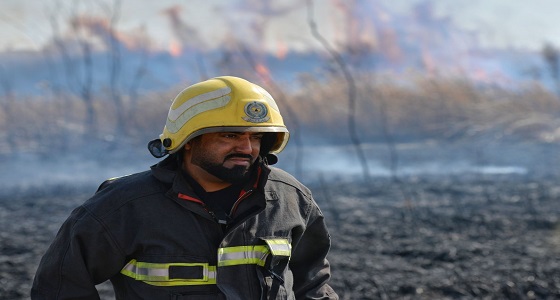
{"type": "Point", "coordinates": [470, 234]}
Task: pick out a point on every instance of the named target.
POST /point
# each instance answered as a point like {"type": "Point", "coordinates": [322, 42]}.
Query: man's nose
{"type": "Point", "coordinates": [244, 144]}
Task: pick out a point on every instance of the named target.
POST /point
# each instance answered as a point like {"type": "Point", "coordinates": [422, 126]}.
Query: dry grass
{"type": "Point", "coordinates": [429, 109]}
{"type": "Point", "coordinates": [418, 108]}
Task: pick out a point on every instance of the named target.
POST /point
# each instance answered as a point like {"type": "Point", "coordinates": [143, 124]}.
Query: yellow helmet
{"type": "Point", "coordinates": [220, 104]}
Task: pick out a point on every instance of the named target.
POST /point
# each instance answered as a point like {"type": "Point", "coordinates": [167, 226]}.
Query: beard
{"type": "Point", "coordinates": [232, 175]}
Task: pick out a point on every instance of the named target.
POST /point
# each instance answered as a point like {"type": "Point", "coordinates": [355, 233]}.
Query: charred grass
{"type": "Point", "coordinates": [437, 238]}
{"type": "Point", "coordinates": [492, 238]}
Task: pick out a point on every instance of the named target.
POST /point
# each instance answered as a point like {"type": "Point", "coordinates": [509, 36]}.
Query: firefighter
{"type": "Point", "coordinates": [213, 220]}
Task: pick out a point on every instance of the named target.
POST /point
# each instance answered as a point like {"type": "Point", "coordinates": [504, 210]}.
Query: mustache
{"type": "Point", "coordinates": [237, 155]}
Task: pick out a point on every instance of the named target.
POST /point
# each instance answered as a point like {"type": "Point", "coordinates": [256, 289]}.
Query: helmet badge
{"type": "Point", "coordinates": [256, 112]}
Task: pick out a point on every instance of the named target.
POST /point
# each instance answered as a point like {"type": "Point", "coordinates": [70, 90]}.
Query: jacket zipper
{"type": "Point", "coordinates": [201, 203]}
{"type": "Point", "coordinates": [241, 198]}
{"type": "Point", "coordinates": [223, 223]}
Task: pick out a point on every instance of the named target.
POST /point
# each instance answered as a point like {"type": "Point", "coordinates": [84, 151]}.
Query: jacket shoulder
{"type": "Point", "coordinates": [287, 180]}
{"type": "Point", "coordinates": [126, 180]}
{"type": "Point", "coordinates": [116, 192]}
{"type": "Point", "coordinates": [293, 194]}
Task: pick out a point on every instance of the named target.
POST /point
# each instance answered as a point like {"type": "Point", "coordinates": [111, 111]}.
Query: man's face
{"type": "Point", "coordinates": [227, 156]}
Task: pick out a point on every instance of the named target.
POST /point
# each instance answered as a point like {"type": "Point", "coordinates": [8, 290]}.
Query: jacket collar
{"type": "Point", "coordinates": [166, 170]}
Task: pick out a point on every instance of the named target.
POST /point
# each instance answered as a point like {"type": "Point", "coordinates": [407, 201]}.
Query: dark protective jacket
{"type": "Point", "coordinates": [154, 238]}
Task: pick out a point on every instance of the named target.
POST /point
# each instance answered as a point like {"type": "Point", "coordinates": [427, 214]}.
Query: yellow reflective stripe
{"type": "Point", "coordinates": [158, 273]}
{"type": "Point", "coordinates": [281, 247]}
{"type": "Point", "coordinates": [243, 255]}
{"type": "Point", "coordinates": [179, 283]}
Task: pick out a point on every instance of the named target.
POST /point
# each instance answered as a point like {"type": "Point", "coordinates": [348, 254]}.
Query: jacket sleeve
{"type": "Point", "coordinates": [309, 262]}
{"type": "Point", "coordinates": [82, 255]}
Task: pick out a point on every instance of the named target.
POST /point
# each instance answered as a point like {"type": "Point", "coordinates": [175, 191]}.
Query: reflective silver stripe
{"type": "Point", "coordinates": [268, 98]}
{"type": "Point", "coordinates": [242, 255]}
{"type": "Point", "coordinates": [174, 126]}
{"type": "Point", "coordinates": [158, 273]}
{"type": "Point", "coordinates": [174, 114]}
{"type": "Point", "coordinates": [148, 271]}
{"type": "Point", "coordinates": [280, 247]}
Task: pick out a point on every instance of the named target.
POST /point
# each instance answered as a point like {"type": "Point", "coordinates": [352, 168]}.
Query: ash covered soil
{"type": "Point", "coordinates": [441, 238]}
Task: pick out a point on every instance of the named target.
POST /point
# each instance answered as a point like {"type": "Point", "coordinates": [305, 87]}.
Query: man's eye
{"type": "Point", "coordinates": [227, 135]}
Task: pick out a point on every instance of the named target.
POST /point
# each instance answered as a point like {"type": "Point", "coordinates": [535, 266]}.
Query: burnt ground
{"type": "Point", "coordinates": [489, 238]}
{"type": "Point", "coordinates": [483, 237]}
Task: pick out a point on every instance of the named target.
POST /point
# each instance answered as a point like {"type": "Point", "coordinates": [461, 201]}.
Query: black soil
{"type": "Point", "coordinates": [439, 238]}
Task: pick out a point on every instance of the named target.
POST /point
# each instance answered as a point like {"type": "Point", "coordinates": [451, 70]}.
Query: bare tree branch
{"type": "Point", "coordinates": [551, 56]}
{"type": "Point", "coordinates": [115, 67]}
{"type": "Point", "coordinates": [351, 90]}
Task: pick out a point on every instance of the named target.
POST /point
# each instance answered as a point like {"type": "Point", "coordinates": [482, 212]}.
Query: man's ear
{"type": "Point", "coordinates": [188, 146]}
{"type": "Point", "coordinates": [268, 140]}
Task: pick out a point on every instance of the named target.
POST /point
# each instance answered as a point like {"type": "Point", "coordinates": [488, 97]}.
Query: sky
{"type": "Point", "coordinates": [24, 24]}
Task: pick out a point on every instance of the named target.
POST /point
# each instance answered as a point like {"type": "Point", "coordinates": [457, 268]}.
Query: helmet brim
{"type": "Point", "coordinates": [278, 146]}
